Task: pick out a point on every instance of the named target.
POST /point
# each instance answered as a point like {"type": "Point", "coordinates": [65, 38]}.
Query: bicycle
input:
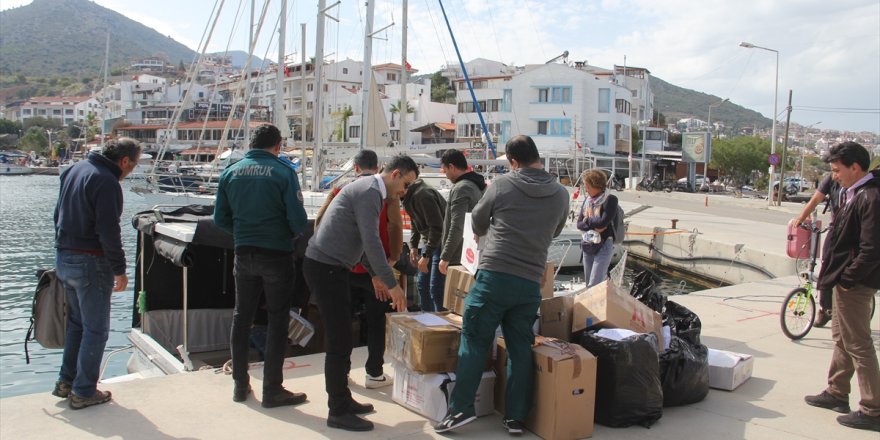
{"type": "Point", "coordinates": [799, 308]}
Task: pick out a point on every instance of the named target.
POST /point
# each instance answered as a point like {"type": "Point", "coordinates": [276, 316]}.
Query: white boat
{"type": "Point", "coordinates": [8, 167]}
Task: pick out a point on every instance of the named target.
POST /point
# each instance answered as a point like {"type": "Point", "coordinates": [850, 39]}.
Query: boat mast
{"type": "Point", "coordinates": [246, 119]}
{"type": "Point", "coordinates": [368, 71]}
{"type": "Point", "coordinates": [402, 138]}
{"type": "Point", "coordinates": [104, 106]}
{"type": "Point", "coordinates": [302, 110]}
{"type": "Point", "coordinates": [318, 116]}
{"type": "Point", "coordinates": [280, 116]}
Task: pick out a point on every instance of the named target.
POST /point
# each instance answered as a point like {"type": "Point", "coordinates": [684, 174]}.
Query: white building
{"type": "Point", "coordinates": [60, 108]}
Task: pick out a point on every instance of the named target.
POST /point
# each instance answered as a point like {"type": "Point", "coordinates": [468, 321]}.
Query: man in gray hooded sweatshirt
{"type": "Point", "coordinates": [519, 215]}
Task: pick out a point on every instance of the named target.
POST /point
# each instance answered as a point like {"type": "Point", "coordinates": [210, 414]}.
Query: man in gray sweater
{"type": "Point", "coordinates": [465, 194]}
{"type": "Point", "coordinates": [518, 217]}
{"type": "Point", "coordinates": [349, 230]}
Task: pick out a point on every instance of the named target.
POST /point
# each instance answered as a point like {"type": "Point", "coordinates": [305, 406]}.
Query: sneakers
{"type": "Point", "coordinates": [349, 422]}
{"type": "Point", "coordinates": [454, 420]}
{"type": "Point", "coordinates": [284, 398]}
{"type": "Point", "coordinates": [62, 389]}
{"type": "Point", "coordinates": [859, 420]}
{"type": "Point", "coordinates": [823, 318]}
{"type": "Point", "coordinates": [76, 402]}
{"type": "Point", "coordinates": [827, 401]}
{"type": "Point", "coordinates": [240, 392]}
{"type": "Point", "coordinates": [514, 427]}
{"type": "Point", "coordinates": [373, 382]}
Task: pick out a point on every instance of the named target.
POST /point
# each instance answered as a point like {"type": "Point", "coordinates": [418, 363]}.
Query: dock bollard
{"type": "Point", "coordinates": [706, 202]}
{"type": "Point", "coordinates": [674, 222]}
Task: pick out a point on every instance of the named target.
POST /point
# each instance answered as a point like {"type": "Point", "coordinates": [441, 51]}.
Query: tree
{"type": "Point", "coordinates": [397, 107]}
{"type": "Point", "coordinates": [740, 157]}
{"type": "Point", "coordinates": [35, 139]}
{"type": "Point", "coordinates": [440, 88]}
{"type": "Point", "coordinates": [9, 127]}
{"type": "Point", "coordinates": [342, 115]}
{"type": "Point", "coordinates": [38, 121]}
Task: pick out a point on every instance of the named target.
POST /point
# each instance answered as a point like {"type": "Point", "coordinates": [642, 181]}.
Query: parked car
{"type": "Point", "coordinates": [681, 184]}
{"type": "Point", "coordinates": [797, 182]}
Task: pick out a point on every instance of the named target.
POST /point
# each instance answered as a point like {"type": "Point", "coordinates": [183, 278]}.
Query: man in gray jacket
{"type": "Point", "coordinates": [468, 190]}
{"type": "Point", "coordinates": [518, 217]}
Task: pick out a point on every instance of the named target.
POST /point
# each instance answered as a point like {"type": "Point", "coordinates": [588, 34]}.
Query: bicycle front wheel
{"type": "Point", "coordinates": [798, 313]}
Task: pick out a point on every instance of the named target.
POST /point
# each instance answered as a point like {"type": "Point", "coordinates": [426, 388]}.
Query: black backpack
{"type": "Point", "coordinates": [48, 314]}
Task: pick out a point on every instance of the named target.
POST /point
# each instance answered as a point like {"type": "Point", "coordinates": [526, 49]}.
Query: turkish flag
{"type": "Point", "coordinates": [408, 66]}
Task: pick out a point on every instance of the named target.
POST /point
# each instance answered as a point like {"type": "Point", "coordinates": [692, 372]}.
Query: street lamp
{"type": "Point", "coordinates": [773, 130]}
{"type": "Point", "coordinates": [717, 104]}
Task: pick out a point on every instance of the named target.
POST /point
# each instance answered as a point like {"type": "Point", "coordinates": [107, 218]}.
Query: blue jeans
{"type": "Point", "coordinates": [88, 283]}
{"type": "Point", "coordinates": [596, 265]}
{"type": "Point", "coordinates": [270, 274]}
{"type": "Point", "coordinates": [431, 285]}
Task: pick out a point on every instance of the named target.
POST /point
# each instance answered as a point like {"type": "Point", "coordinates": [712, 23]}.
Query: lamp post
{"type": "Point", "coordinates": [717, 104]}
{"type": "Point", "coordinates": [773, 130]}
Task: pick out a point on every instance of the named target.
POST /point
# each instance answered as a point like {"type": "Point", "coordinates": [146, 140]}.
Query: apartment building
{"type": "Point", "coordinates": [60, 108]}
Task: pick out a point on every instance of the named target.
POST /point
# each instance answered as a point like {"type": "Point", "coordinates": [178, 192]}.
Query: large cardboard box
{"type": "Point", "coordinates": [423, 342]}
{"type": "Point", "coordinates": [608, 306]}
{"type": "Point", "coordinates": [428, 394]}
{"type": "Point", "coordinates": [548, 280]}
{"type": "Point", "coordinates": [458, 283]}
{"type": "Point", "coordinates": [564, 396]}
{"type": "Point", "coordinates": [728, 370]}
{"type": "Point", "coordinates": [556, 317]}
{"type": "Point", "coordinates": [471, 247]}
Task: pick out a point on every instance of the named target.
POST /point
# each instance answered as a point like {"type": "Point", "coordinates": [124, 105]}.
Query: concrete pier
{"type": "Point", "coordinates": [742, 318]}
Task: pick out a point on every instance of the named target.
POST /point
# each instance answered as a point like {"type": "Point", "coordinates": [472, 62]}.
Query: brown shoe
{"type": "Point", "coordinates": [77, 402]}
{"type": "Point", "coordinates": [827, 401]}
{"type": "Point", "coordinates": [62, 389]}
{"type": "Point", "coordinates": [860, 420]}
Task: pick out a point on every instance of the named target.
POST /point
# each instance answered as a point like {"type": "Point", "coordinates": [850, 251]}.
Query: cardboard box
{"type": "Point", "coordinates": [564, 396]}
{"type": "Point", "coordinates": [608, 306]}
{"type": "Point", "coordinates": [299, 330]}
{"type": "Point", "coordinates": [728, 370]}
{"type": "Point", "coordinates": [556, 317]}
{"type": "Point", "coordinates": [470, 247]}
{"type": "Point", "coordinates": [458, 283]}
{"type": "Point", "coordinates": [423, 342]}
{"type": "Point", "coordinates": [428, 394]}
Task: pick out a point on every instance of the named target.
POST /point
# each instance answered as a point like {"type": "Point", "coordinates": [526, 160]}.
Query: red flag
{"type": "Point", "coordinates": [408, 66]}
{"type": "Point", "coordinates": [578, 145]}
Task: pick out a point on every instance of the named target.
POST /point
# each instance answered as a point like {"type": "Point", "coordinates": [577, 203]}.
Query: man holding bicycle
{"type": "Point", "coordinates": [852, 268]}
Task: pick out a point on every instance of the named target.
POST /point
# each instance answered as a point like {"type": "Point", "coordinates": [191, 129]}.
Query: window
{"type": "Point", "coordinates": [542, 127]}
{"type": "Point", "coordinates": [26, 111]}
{"type": "Point", "coordinates": [554, 127]}
{"type": "Point", "coordinates": [391, 76]}
{"type": "Point", "coordinates": [354, 131]}
{"type": "Point", "coordinates": [68, 111]}
{"type": "Point", "coordinates": [56, 111]}
{"type": "Point", "coordinates": [345, 70]}
{"type": "Point", "coordinates": [622, 105]}
{"type": "Point", "coordinates": [604, 101]}
{"type": "Point", "coordinates": [507, 101]}
{"type": "Point", "coordinates": [602, 133]}
{"type": "Point", "coordinates": [310, 87]}
{"type": "Point", "coordinates": [554, 94]}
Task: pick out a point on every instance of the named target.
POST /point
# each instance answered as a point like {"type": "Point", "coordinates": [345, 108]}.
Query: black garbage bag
{"type": "Point", "coordinates": [684, 373]}
{"type": "Point", "coordinates": [682, 322]}
{"type": "Point", "coordinates": [628, 390]}
{"type": "Point", "coordinates": [646, 291]}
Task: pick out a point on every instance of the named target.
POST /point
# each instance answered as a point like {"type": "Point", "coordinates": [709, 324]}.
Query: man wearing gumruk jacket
{"type": "Point", "coordinates": [467, 190]}
{"type": "Point", "coordinates": [90, 263]}
{"type": "Point", "coordinates": [518, 217]}
{"type": "Point", "coordinates": [852, 268]}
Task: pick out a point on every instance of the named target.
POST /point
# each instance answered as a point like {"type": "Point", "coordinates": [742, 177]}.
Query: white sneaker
{"type": "Point", "coordinates": [378, 382]}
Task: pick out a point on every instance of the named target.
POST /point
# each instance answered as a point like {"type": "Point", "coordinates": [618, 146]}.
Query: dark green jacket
{"type": "Point", "coordinates": [425, 207]}
{"type": "Point", "coordinates": [465, 194]}
{"type": "Point", "coordinates": [259, 202]}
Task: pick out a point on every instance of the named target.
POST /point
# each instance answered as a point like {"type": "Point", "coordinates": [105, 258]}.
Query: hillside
{"type": "Point", "coordinates": [677, 103]}
{"type": "Point", "coordinates": [67, 38]}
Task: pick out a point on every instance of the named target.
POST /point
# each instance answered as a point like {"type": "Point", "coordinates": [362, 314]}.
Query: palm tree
{"type": "Point", "coordinates": [343, 114]}
{"type": "Point", "coordinates": [396, 107]}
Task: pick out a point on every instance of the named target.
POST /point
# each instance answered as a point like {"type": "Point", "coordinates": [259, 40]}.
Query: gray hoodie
{"type": "Point", "coordinates": [519, 216]}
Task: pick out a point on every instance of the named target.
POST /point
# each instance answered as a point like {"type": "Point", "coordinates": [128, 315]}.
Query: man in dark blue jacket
{"type": "Point", "coordinates": [259, 202]}
{"type": "Point", "coordinates": [90, 262]}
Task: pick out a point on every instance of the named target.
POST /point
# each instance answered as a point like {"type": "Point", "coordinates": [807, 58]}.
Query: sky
{"type": "Point", "coordinates": [829, 52]}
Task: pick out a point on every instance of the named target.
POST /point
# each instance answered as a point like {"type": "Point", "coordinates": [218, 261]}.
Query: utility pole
{"type": "Point", "coordinates": [781, 188]}
{"type": "Point", "coordinates": [402, 139]}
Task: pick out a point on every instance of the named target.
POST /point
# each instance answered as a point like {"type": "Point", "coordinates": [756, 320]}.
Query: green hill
{"type": "Point", "coordinates": [67, 37]}
{"type": "Point", "coordinates": [678, 103]}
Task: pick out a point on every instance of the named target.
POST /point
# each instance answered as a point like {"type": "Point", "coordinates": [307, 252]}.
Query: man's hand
{"type": "Point", "coordinates": [443, 266]}
{"type": "Point", "coordinates": [414, 257]}
{"type": "Point", "coordinates": [398, 299]}
{"type": "Point", "coordinates": [423, 265]}
{"type": "Point", "coordinates": [120, 282]}
{"type": "Point", "coordinates": [380, 290]}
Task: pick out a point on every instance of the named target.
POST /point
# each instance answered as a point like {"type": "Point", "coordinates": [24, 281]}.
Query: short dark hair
{"type": "Point", "coordinates": [455, 158]}
{"type": "Point", "coordinates": [849, 153]}
{"type": "Point", "coordinates": [366, 160]}
{"type": "Point", "coordinates": [403, 163]}
{"type": "Point", "coordinates": [265, 136]}
{"type": "Point", "coordinates": [116, 149]}
{"type": "Point", "coordinates": [523, 149]}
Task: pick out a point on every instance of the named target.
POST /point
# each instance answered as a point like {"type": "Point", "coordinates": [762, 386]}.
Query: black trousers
{"type": "Point", "coordinates": [330, 287]}
{"type": "Point", "coordinates": [362, 289]}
